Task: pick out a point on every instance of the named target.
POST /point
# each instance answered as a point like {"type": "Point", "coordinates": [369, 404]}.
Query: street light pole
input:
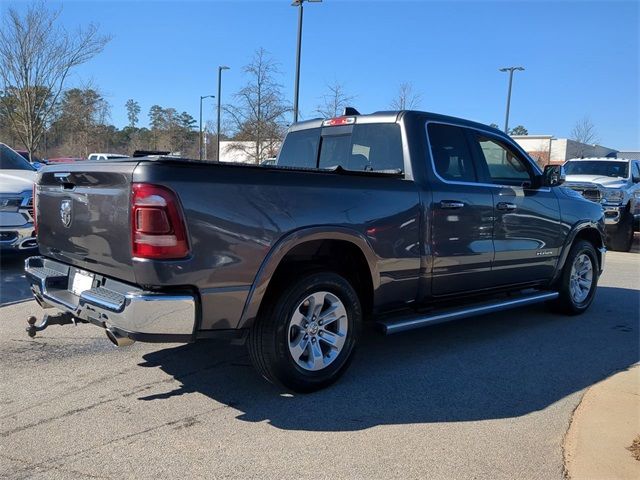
{"type": "Point", "coordinates": [296, 88]}
{"type": "Point", "coordinates": [510, 70]}
{"type": "Point", "coordinates": [220, 69]}
{"type": "Point", "coordinates": [200, 141]}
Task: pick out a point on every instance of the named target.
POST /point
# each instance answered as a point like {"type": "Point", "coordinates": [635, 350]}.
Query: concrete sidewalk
{"type": "Point", "coordinates": [603, 427]}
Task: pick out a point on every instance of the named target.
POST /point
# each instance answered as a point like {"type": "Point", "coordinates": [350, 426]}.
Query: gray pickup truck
{"type": "Point", "coordinates": [395, 219]}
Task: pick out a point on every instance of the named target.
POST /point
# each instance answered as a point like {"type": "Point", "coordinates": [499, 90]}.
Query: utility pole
{"type": "Point", "coordinates": [200, 136]}
{"type": "Point", "coordinates": [220, 69]}
{"type": "Point", "coordinates": [510, 70]}
{"type": "Point", "coordinates": [296, 88]}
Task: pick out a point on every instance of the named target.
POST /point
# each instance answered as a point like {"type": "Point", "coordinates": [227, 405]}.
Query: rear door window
{"type": "Point", "coordinates": [451, 154]}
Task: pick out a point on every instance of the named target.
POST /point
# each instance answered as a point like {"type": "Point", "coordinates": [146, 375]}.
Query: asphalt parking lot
{"type": "Point", "coordinates": [488, 397]}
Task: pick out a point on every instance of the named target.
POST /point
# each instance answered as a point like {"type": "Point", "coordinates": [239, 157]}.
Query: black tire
{"type": "Point", "coordinates": [620, 238]}
{"type": "Point", "coordinates": [566, 303]}
{"type": "Point", "coordinates": [268, 341]}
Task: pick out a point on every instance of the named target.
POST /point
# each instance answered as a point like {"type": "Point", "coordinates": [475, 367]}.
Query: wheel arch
{"type": "Point", "coordinates": [590, 231]}
{"type": "Point", "coordinates": [279, 253]}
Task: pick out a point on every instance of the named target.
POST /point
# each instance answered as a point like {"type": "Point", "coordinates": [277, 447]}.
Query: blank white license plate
{"type": "Point", "coordinates": [81, 281]}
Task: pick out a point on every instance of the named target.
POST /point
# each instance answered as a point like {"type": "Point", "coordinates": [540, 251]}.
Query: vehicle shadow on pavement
{"type": "Point", "coordinates": [490, 367]}
{"type": "Point", "coordinates": [13, 284]}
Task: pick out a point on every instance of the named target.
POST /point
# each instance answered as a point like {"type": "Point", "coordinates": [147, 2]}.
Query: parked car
{"type": "Point", "coordinates": [396, 219]}
{"type": "Point", "coordinates": [17, 178]}
{"type": "Point", "coordinates": [105, 156]}
{"type": "Point", "coordinates": [615, 184]}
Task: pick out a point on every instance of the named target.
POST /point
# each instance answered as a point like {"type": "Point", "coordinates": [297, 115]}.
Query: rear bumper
{"type": "Point", "coordinates": [138, 314]}
{"type": "Point", "coordinates": [18, 238]}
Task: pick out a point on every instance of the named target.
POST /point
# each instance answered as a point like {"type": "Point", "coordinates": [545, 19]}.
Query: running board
{"type": "Point", "coordinates": [390, 326]}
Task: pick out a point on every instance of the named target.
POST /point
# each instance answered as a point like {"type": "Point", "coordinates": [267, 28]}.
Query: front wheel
{"type": "Point", "coordinates": [305, 338]}
{"type": "Point", "coordinates": [577, 285]}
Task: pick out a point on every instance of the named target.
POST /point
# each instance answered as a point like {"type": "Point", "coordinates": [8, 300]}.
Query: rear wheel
{"type": "Point", "coordinates": [620, 239]}
{"type": "Point", "coordinates": [577, 285]}
{"type": "Point", "coordinates": [304, 339]}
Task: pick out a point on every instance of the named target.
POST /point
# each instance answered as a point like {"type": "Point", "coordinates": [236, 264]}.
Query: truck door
{"type": "Point", "coordinates": [461, 214]}
{"type": "Point", "coordinates": [526, 232]}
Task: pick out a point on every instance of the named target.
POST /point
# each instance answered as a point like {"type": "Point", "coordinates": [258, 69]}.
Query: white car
{"type": "Point", "coordinates": [17, 178]}
{"type": "Point", "coordinates": [105, 156]}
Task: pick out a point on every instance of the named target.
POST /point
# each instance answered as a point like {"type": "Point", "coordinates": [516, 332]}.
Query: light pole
{"type": "Point", "coordinates": [296, 91]}
{"type": "Point", "coordinates": [510, 70]}
{"type": "Point", "coordinates": [202, 97]}
{"type": "Point", "coordinates": [220, 69]}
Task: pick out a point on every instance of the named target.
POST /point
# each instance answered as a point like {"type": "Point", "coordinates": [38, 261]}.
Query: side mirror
{"type": "Point", "coordinates": [553, 176]}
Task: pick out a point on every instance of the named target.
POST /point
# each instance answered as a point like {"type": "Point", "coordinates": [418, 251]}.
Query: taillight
{"type": "Point", "coordinates": [157, 223]}
{"type": "Point", "coordinates": [35, 209]}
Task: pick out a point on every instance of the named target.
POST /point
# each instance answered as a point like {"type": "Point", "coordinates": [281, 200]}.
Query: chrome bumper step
{"type": "Point", "coordinates": [396, 325]}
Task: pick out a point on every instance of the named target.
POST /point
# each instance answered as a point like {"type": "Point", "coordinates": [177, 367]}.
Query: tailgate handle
{"type": "Point", "coordinates": [63, 177]}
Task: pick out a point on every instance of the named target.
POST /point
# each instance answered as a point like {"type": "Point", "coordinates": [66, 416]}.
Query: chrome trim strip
{"type": "Point", "coordinates": [389, 326]}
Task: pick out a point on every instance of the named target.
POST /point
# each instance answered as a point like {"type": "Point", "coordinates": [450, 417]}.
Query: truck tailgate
{"type": "Point", "coordinates": [83, 216]}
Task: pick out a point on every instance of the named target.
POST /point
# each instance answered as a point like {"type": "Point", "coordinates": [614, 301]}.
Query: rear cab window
{"type": "Point", "coordinates": [367, 147]}
{"type": "Point", "coordinates": [300, 149]}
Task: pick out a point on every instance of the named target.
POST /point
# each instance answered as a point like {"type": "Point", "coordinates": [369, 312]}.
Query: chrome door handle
{"type": "Point", "coordinates": [508, 206]}
{"type": "Point", "coordinates": [451, 204]}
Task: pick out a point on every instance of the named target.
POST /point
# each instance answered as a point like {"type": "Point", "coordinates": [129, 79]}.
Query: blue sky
{"type": "Point", "coordinates": [581, 57]}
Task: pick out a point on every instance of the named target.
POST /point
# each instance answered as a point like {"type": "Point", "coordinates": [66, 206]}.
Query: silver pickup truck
{"type": "Point", "coordinates": [615, 184]}
{"type": "Point", "coordinates": [17, 178]}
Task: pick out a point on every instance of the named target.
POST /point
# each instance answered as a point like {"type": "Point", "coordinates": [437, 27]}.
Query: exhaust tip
{"type": "Point", "coordinates": [117, 339]}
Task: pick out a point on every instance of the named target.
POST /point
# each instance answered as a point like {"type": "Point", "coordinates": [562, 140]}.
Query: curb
{"type": "Point", "coordinates": [603, 426]}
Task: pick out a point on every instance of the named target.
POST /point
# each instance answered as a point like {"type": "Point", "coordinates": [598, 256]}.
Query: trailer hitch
{"type": "Point", "coordinates": [63, 318]}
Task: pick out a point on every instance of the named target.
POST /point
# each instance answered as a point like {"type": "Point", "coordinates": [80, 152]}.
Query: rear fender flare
{"type": "Point", "coordinates": [284, 245]}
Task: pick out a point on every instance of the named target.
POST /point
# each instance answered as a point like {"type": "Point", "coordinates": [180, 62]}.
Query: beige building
{"type": "Point", "coordinates": [546, 149]}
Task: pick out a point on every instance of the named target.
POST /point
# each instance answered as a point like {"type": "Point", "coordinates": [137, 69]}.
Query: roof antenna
{"type": "Point", "coordinates": [350, 111]}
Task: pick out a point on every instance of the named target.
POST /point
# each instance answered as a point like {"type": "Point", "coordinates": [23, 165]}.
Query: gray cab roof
{"type": "Point", "coordinates": [394, 116]}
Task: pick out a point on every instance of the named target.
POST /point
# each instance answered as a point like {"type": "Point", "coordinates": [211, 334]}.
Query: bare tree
{"type": "Point", "coordinates": [36, 56]}
{"type": "Point", "coordinates": [406, 98]}
{"type": "Point", "coordinates": [258, 116]}
{"type": "Point", "coordinates": [584, 131]}
{"type": "Point", "coordinates": [334, 101]}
